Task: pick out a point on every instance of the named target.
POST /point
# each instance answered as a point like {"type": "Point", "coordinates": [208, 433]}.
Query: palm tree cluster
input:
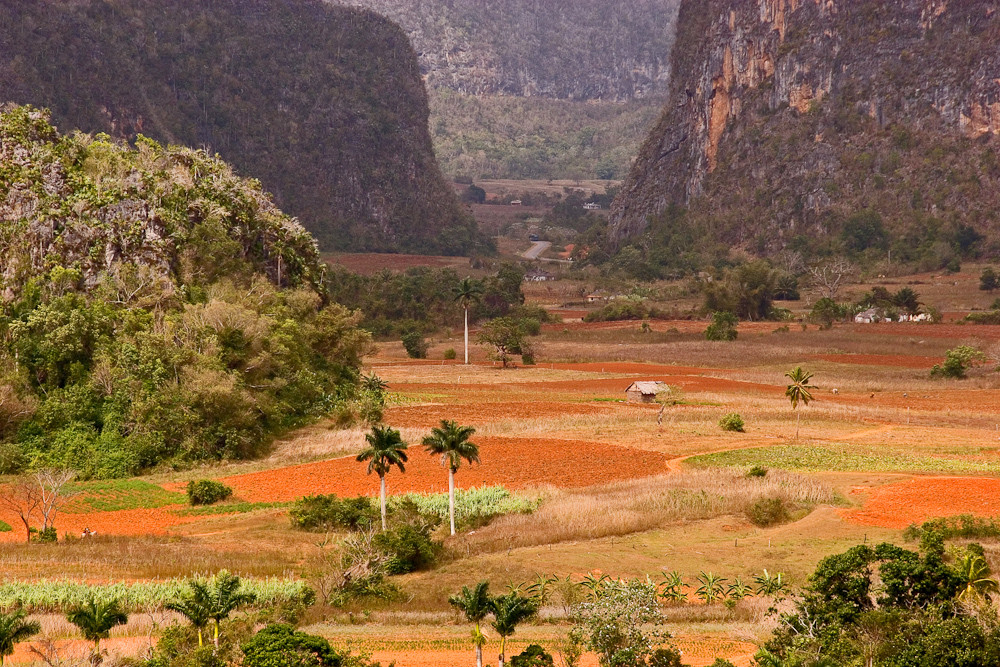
{"type": "Point", "coordinates": [508, 612]}
{"type": "Point", "coordinates": [386, 449]}
{"type": "Point", "coordinates": [214, 601]}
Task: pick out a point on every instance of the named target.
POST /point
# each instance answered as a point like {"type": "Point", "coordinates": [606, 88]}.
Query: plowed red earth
{"type": "Point", "coordinates": [516, 463]}
{"type": "Point", "coordinates": [917, 330]}
{"type": "Point", "coordinates": [921, 498]}
{"type": "Point", "coordinates": [122, 522]}
{"type": "Point", "coordinates": [485, 413]}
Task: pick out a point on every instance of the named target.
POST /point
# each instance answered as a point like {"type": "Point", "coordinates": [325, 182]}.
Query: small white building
{"type": "Point", "coordinates": [592, 206]}
{"type": "Point", "coordinates": [869, 316]}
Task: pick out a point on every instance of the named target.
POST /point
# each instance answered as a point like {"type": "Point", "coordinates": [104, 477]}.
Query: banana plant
{"type": "Point", "coordinates": [770, 585]}
{"type": "Point", "coordinates": [672, 587]}
{"type": "Point", "coordinates": [712, 587]}
{"type": "Point", "coordinates": [540, 589]}
{"type": "Point", "coordinates": [738, 590]}
{"type": "Point", "coordinates": [595, 584]}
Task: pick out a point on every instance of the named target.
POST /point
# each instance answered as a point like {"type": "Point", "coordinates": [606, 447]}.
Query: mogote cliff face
{"type": "Point", "coordinates": [821, 78]}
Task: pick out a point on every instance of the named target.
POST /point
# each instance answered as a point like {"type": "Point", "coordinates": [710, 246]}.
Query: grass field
{"type": "Point", "coordinates": [625, 489]}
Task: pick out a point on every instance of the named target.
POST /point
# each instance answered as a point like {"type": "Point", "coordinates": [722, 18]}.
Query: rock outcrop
{"type": "Point", "coordinates": [786, 116]}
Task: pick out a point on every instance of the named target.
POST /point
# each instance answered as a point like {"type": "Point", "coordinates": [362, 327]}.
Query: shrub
{"type": "Point", "coordinates": [408, 548]}
{"type": "Point", "coordinates": [957, 361]}
{"type": "Point", "coordinates": [533, 656]}
{"type": "Point", "coordinates": [723, 327]}
{"type": "Point", "coordinates": [450, 353]}
{"type": "Point", "coordinates": [280, 645]}
{"type": "Point", "coordinates": [767, 512]}
{"type": "Point", "coordinates": [964, 526]}
{"type": "Point", "coordinates": [757, 471]}
{"type": "Point", "coordinates": [5, 527]}
{"type": "Point", "coordinates": [207, 492]}
{"type": "Point", "coordinates": [317, 513]}
{"type": "Point", "coordinates": [732, 422]}
{"type": "Point", "coordinates": [528, 359]}
{"type": "Point", "coordinates": [665, 657]}
{"type": "Point", "coordinates": [988, 317]}
{"type": "Point", "coordinates": [722, 662]}
{"type": "Point", "coordinates": [623, 309]}
{"type": "Point", "coordinates": [414, 344]}
{"type": "Point", "coordinates": [46, 535]}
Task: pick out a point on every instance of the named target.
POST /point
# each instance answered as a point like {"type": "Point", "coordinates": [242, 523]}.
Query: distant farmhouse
{"type": "Point", "coordinates": [538, 276]}
{"type": "Point", "coordinates": [645, 392]}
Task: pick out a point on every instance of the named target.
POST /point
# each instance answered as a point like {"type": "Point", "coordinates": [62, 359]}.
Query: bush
{"type": "Point", "coordinates": [957, 361]}
{"type": "Point", "coordinates": [989, 317]}
{"type": "Point", "coordinates": [48, 535]}
{"type": "Point", "coordinates": [623, 309]}
{"type": "Point", "coordinates": [665, 657]}
{"type": "Point", "coordinates": [5, 527]}
{"type": "Point", "coordinates": [768, 512]}
{"type": "Point", "coordinates": [723, 327]}
{"type": "Point", "coordinates": [450, 353]}
{"type": "Point", "coordinates": [722, 662]}
{"type": "Point", "coordinates": [408, 548]}
{"type": "Point", "coordinates": [414, 344]}
{"type": "Point", "coordinates": [528, 359]}
{"type": "Point", "coordinates": [965, 526]}
{"type": "Point", "coordinates": [757, 471]}
{"type": "Point", "coordinates": [280, 645]}
{"type": "Point", "coordinates": [533, 656]}
{"type": "Point", "coordinates": [318, 513]}
{"type": "Point", "coordinates": [732, 422]}
{"type": "Point", "coordinates": [207, 492]}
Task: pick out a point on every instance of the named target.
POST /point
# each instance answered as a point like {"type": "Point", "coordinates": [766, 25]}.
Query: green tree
{"type": "Point", "coordinates": [95, 620]}
{"type": "Point", "coordinates": [225, 597]}
{"type": "Point", "coordinates": [975, 574]}
{"type": "Point", "coordinates": [622, 622]}
{"type": "Point", "coordinates": [476, 604]}
{"type": "Point", "coordinates": [14, 629]}
{"type": "Point", "coordinates": [509, 611]}
{"type": "Point", "coordinates": [385, 449]}
{"type": "Point", "coordinates": [451, 442]}
{"type": "Point", "coordinates": [798, 391]}
{"type": "Point", "coordinates": [988, 280]}
{"type": "Point", "coordinates": [194, 607]}
{"type": "Point", "coordinates": [723, 326]}
{"type": "Point", "coordinates": [957, 362]}
{"type": "Point", "coordinates": [281, 645]}
{"type": "Point", "coordinates": [467, 292]}
{"type": "Point", "coordinates": [507, 336]}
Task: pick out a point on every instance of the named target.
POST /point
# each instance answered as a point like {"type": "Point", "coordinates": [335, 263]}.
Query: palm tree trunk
{"type": "Point", "coordinates": [466, 338]}
{"type": "Point", "coordinates": [479, 656]}
{"type": "Point", "coordinates": [503, 645]}
{"type": "Point", "coordinates": [200, 642]}
{"type": "Point", "coordinates": [451, 497]}
{"type": "Point", "coordinates": [798, 416]}
{"type": "Point", "coordinates": [384, 525]}
{"type": "Point", "coordinates": [216, 638]}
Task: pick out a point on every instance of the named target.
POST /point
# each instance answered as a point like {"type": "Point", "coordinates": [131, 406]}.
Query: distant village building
{"type": "Point", "coordinates": [592, 206]}
{"type": "Point", "coordinates": [516, 202]}
{"type": "Point", "coordinates": [645, 392]}
{"type": "Point", "coordinates": [538, 276]}
{"type": "Point", "coordinates": [594, 297]}
{"type": "Point", "coordinates": [873, 315]}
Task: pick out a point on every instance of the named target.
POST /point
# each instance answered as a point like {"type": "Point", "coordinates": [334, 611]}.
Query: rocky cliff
{"type": "Point", "coordinates": [325, 105]}
{"type": "Point", "coordinates": [561, 49]}
{"type": "Point", "coordinates": [787, 117]}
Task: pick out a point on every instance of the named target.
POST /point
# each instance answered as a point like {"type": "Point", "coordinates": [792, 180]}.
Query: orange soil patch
{"type": "Point", "coordinates": [516, 463]}
{"type": "Point", "coordinates": [918, 330]}
{"type": "Point", "coordinates": [681, 326]}
{"type": "Point", "coordinates": [485, 413]}
{"type": "Point", "coordinates": [115, 646]}
{"type": "Point", "coordinates": [894, 360]}
{"type": "Point", "coordinates": [133, 522]}
{"type": "Point", "coordinates": [685, 382]}
{"type": "Point", "coordinates": [568, 314]}
{"type": "Point", "coordinates": [920, 498]}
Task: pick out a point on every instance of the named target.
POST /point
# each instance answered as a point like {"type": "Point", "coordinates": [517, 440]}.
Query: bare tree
{"type": "Point", "coordinates": [828, 278]}
{"type": "Point", "coordinates": [23, 498]}
{"type": "Point", "coordinates": [52, 492]}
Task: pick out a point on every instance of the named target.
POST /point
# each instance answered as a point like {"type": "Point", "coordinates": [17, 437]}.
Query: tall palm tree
{"type": "Point", "coordinates": [798, 390]}
{"type": "Point", "coordinates": [95, 620]}
{"type": "Point", "coordinates": [14, 629]}
{"type": "Point", "coordinates": [451, 441]}
{"type": "Point", "coordinates": [975, 575]}
{"type": "Point", "coordinates": [225, 597]}
{"type": "Point", "coordinates": [475, 603]}
{"type": "Point", "coordinates": [385, 449]}
{"type": "Point", "coordinates": [194, 607]}
{"type": "Point", "coordinates": [509, 611]}
{"type": "Point", "coordinates": [467, 292]}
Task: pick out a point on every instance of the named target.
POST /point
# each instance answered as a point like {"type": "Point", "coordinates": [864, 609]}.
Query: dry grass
{"type": "Point", "coordinates": [640, 505]}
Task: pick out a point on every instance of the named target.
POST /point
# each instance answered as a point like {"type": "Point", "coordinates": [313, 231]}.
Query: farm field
{"type": "Point", "coordinates": [882, 446]}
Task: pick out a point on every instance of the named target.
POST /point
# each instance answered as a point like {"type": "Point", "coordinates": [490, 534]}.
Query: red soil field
{"type": "Point", "coordinates": [516, 463]}
{"type": "Point", "coordinates": [918, 330]}
{"type": "Point", "coordinates": [122, 522]}
{"type": "Point", "coordinates": [920, 498]}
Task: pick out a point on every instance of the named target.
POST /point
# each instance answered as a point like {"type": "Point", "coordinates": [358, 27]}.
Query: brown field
{"type": "Point", "coordinates": [882, 446]}
{"type": "Point", "coordinates": [368, 263]}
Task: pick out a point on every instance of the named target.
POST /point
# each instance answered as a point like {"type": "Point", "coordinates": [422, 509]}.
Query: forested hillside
{"type": "Point", "coordinates": [153, 307]}
{"type": "Point", "coordinates": [324, 104]}
{"type": "Point", "coordinates": [869, 128]}
{"type": "Point", "coordinates": [514, 83]}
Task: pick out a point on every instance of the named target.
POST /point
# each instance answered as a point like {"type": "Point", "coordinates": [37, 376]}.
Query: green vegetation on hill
{"type": "Point", "coordinates": [155, 307]}
{"type": "Point", "coordinates": [324, 104]}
